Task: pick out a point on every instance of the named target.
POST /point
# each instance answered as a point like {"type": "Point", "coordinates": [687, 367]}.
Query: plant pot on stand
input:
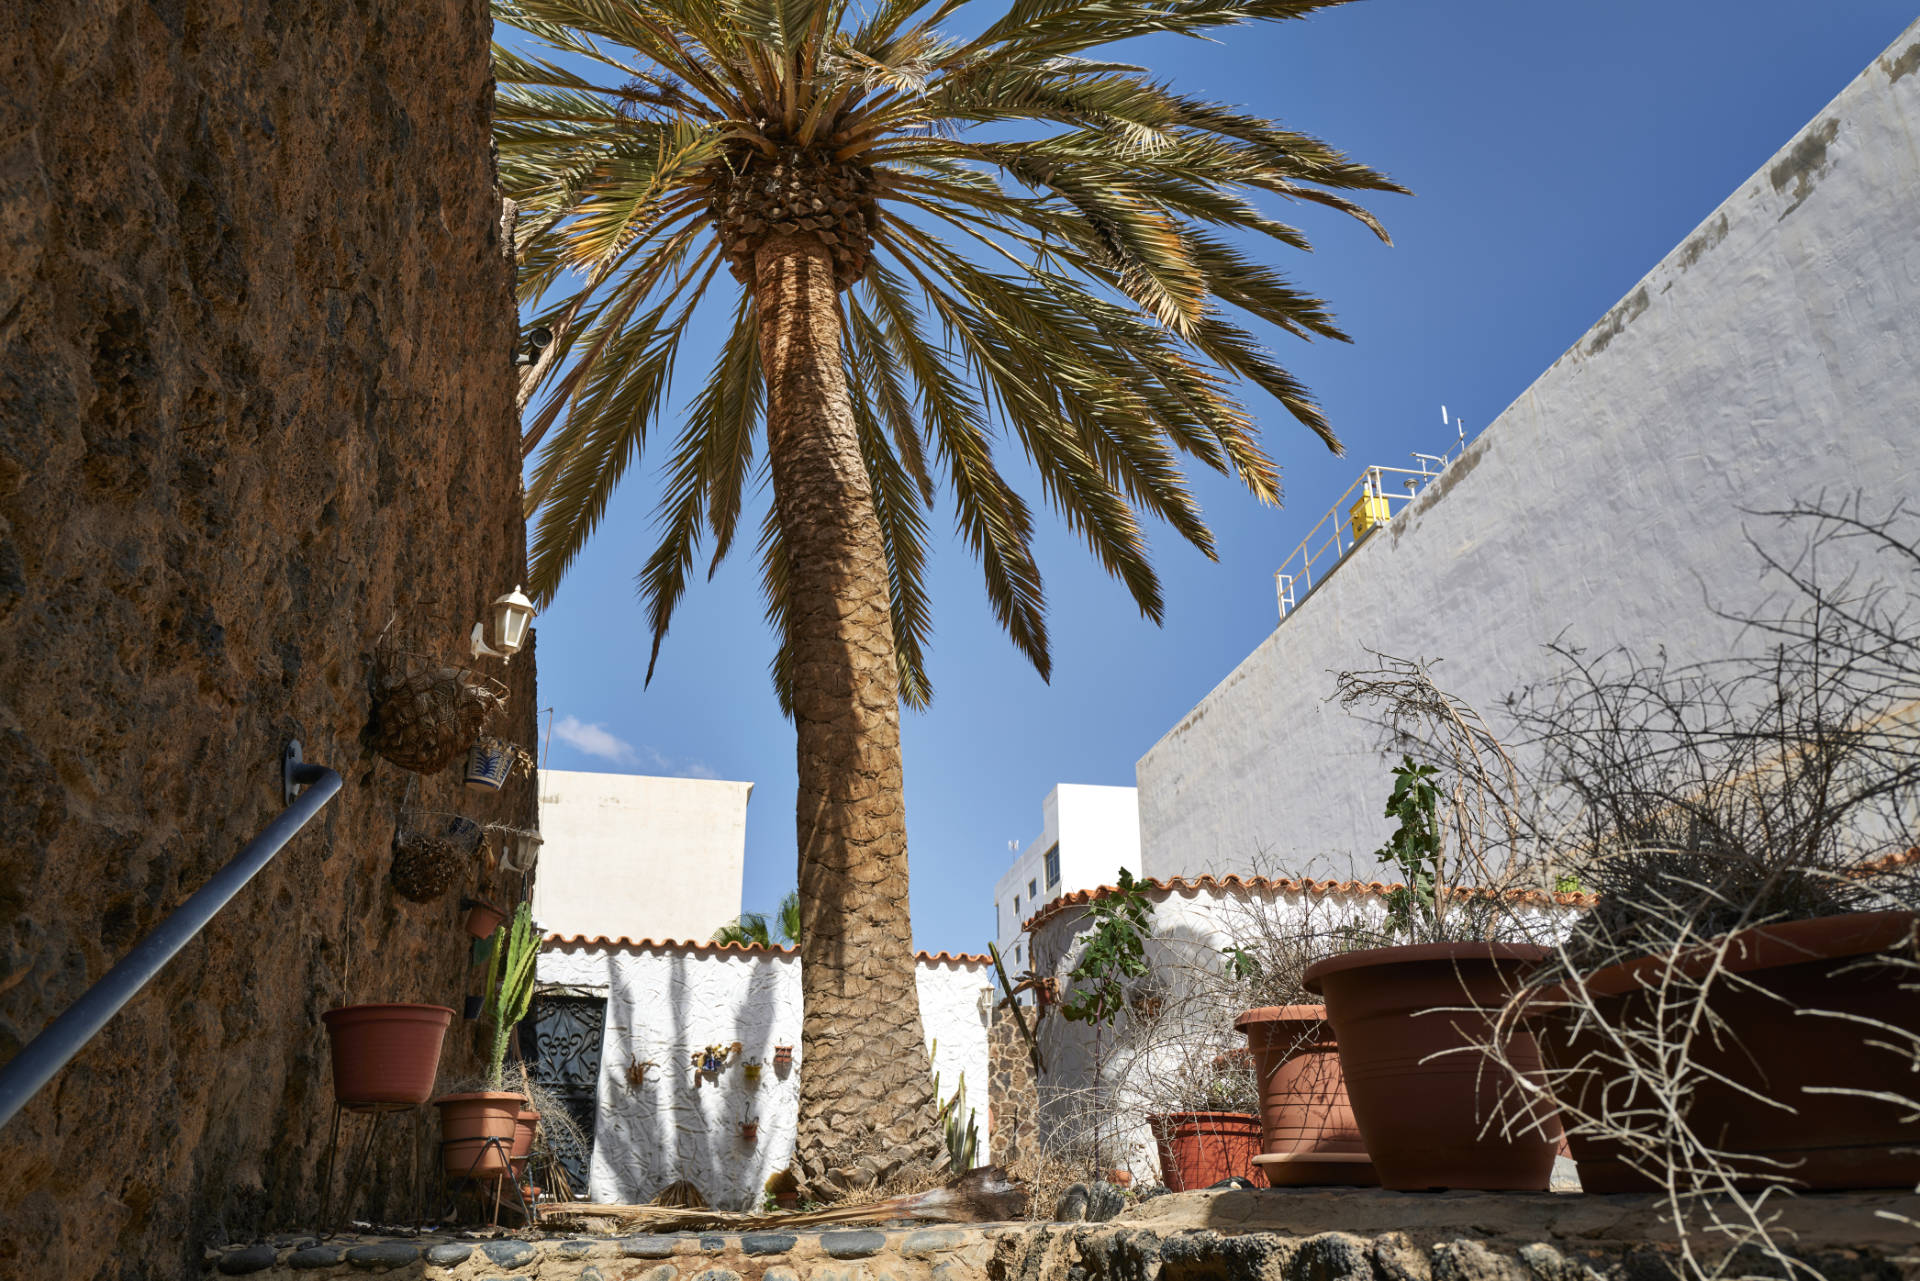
{"type": "Point", "coordinates": [1308, 1134]}
{"type": "Point", "coordinates": [1802, 1004]}
{"type": "Point", "coordinates": [385, 1055]}
{"type": "Point", "coordinates": [1433, 1111]}
{"type": "Point", "coordinates": [477, 1132]}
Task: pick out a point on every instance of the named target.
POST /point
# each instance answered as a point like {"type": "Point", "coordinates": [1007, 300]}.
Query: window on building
{"type": "Point", "coordinates": [1053, 866]}
{"type": "Point", "coordinates": [1016, 908]}
{"type": "Point", "coordinates": [1016, 954]}
{"type": "Point", "coordinates": [1033, 891]}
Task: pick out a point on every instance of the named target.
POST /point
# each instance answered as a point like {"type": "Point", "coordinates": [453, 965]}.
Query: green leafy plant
{"type": "Point", "coordinates": [1115, 952]}
{"type": "Point", "coordinates": [509, 984]}
{"type": "Point", "coordinates": [1414, 850]}
{"type": "Point", "coordinates": [1242, 966]}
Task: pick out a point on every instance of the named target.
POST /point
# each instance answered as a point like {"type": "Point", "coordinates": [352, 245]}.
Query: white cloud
{"type": "Point", "coordinates": [595, 740]}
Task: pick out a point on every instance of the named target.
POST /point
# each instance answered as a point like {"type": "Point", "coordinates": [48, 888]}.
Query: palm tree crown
{"type": "Point", "coordinates": [1019, 231]}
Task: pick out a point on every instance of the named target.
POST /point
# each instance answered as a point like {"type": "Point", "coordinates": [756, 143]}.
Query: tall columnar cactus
{"type": "Point", "coordinates": [509, 984]}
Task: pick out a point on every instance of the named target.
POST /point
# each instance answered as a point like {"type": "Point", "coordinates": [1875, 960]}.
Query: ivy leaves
{"type": "Point", "coordinates": [1115, 952]}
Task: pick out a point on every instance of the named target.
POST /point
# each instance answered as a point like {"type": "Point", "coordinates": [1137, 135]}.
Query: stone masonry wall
{"type": "Point", "coordinates": [1013, 1099]}
{"type": "Point", "coordinates": [255, 402]}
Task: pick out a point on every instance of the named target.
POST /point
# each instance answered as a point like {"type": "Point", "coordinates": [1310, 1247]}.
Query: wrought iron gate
{"type": "Point", "coordinates": [565, 1060]}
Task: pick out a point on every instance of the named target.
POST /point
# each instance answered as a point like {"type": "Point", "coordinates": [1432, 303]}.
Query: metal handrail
{"type": "Point", "coordinates": [66, 1036]}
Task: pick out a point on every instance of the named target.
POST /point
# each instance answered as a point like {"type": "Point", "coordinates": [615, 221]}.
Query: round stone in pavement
{"type": "Point", "coordinates": [571, 1249]}
{"type": "Point", "coordinates": [780, 1272]}
{"type": "Point", "coordinates": [713, 1245]}
{"type": "Point", "coordinates": [252, 1258]}
{"type": "Point", "coordinates": [647, 1247]}
{"type": "Point", "coordinates": [508, 1254]}
{"type": "Point", "coordinates": [448, 1253]}
{"type": "Point", "coordinates": [660, 1272]}
{"type": "Point", "coordinates": [852, 1245]}
{"type": "Point", "coordinates": [927, 1240]}
{"type": "Point", "coordinates": [315, 1256]}
{"type": "Point", "coordinates": [767, 1242]}
{"type": "Point", "coordinates": [717, 1274]}
{"type": "Point", "coordinates": [590, 1273]}
{"type": "Point", "coordinates": [383, 1254]}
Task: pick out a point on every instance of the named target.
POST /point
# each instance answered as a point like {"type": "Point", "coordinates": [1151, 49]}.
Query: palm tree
{"type": "Point", "coordinates": [931, 234]}
{"type": "Point", "coordinates": [750, 929]}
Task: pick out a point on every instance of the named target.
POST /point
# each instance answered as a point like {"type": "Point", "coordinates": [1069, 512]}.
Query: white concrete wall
{"type": "Point", "coordinates": [1768, 358]}
{"type": "Point", "coordinates": [628, 855]}
{"type": "Point", "coordinates": [1098, 831]}
{"type": "Point", "coordinates": [1100, 1083]}
{"type": "Point", "coordinates": [665, 1003]}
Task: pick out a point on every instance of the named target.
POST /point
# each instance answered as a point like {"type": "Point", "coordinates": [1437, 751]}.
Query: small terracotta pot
{"type": "Point", "coordinates": [1798, 1022]}
{"type": "Point", "coordinates": [385, 1054]}
{"type": "Point", "coordinates": [1120, 1178]}
{"type": "Point", "coordinates": [1452, 1121]}
{"type": "Point", "coordinates": [1198, 1149]}
{"type": "Point", "coordinates": [483, 919]}
{"type": "Point", "coordinates": [524, 1127]}
{"type": "Point", "coordinates": [782, 1057]}
{"type": "Point", "coordinates": [468, 1122]}
{"type": "Point", "coordinates": [1308, 1136]}
{"type": "Point", "coordinates": [749, 1131]}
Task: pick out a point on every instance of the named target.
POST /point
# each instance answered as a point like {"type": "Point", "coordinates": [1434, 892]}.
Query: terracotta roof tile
{"type": "Point", "coordinates": [1285, 885]}
{"type": "Point", "coordinates": [708, 947]}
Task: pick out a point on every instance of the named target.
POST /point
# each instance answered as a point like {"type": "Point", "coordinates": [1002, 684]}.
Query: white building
{"type": "Point", "coordinates": [1769, 359]}
{"type": "Point", "coordinates": [1087, 834]}
{"type": "Point", "coordinates": [631, 855]}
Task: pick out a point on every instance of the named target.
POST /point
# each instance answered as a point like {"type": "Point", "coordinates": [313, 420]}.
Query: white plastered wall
{"type": "Point", "coordinates": [1769, 358]}
{"type": "Point", "coordinates": [666, 1003]}
{"type": "Point", "coordinates": [612, 841]}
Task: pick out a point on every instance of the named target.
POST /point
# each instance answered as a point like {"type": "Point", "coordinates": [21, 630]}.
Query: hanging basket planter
{"type": "Point", "coordinates": [483, 918]}
{"type": "Point", "coordinates": [431, 851]}
{"type": "Point", "coordinates": [425, 712]}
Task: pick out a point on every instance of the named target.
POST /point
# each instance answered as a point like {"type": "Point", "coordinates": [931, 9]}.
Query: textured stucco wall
{"type": "Point", "coordinates": [255, 402]}
{"type": "Point", "coordinates": [663, 1004]}
{"type": "Point", "coordinates": [1768, 358]}
{"type": "Point", "coordinates": [612, 841]}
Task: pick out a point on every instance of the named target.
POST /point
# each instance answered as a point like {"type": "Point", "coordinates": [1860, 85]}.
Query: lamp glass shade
{"type": "Point", "coordinates": [511, 614]}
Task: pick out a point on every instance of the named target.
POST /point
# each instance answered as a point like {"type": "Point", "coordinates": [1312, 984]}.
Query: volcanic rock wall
{"type": "Point", "coordinates": [255, 403]}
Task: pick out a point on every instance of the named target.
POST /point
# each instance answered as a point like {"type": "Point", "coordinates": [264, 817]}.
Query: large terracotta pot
{"type": "Point", "coordinates": [1307, 1132]}
{"type": "Point", "coordinates": [385, 1054]}
{"type": "Point", "coordinates": [1198, 1149]}
{"type": "Point", "coordinates": [1795, 1026]}
{"type": "Point", "coordinates": [524, 1126]}
{"type": "Point", "coordinates": [1452, 1121]}
{"type": "Point", "coordinates": [468, 1122]}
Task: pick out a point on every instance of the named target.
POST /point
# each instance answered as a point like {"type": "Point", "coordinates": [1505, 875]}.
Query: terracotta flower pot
{"type": "Point", "coordinates": [483, 919]}
{"type": "Point", "coordinates": [1307, 1132]}
{"type": "Point", "coordinates": [524, 1127]}
{"type": "Point", "coordinates": [468, 1122]}
{"type": "Point", "coordinates": [1198, 1149]}
{"type": "Point", "coordinates": [1796, 1017]}
{"type": "Point", "coordinates": [384, 1054]}
{"type": "Point", "coordinates": [1448, 1122]}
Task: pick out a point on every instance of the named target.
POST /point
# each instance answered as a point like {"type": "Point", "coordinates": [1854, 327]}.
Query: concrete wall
{"type": "Point", "coordinates": [1097, 830]}
{"type": "Point", "coordinates": [1770, 357]}
{"type": "Point", "coordinates": [664, 1003]}
{"type": "Point", "coordinates": [630, 856]}
{"type": "Point", "coordinates": [255, 405]}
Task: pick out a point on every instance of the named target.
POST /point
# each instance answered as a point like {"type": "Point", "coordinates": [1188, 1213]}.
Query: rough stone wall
{"type": "Point", "coordinates": [255, 402]}
{"type": "Point", "coordinates": [1013, 1100]}
{"type": "Point", "coordinates": [1768, 359]}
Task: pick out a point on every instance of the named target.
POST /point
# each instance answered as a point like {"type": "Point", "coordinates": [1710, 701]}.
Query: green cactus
{"type": "Point", "coordinates": [509, 984]}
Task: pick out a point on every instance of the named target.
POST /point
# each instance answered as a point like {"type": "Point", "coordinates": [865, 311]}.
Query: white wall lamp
{"type": "Point", "coordinates": [511, 615]}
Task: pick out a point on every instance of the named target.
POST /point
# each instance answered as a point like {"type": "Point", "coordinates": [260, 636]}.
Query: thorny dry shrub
{"type": "Point", "coordinates": [1779, 783]}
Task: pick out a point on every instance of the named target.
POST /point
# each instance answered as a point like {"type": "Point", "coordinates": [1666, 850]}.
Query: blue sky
{"type": "Point", "coordinates": [1557, 152]}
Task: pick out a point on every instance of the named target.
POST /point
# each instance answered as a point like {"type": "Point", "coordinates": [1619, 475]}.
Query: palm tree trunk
{"type": "Point", "coordinates": [866, 1087]}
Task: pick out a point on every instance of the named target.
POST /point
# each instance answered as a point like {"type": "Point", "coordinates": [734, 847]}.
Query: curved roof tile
{"type": "Point", "coordinates": [703, 948]}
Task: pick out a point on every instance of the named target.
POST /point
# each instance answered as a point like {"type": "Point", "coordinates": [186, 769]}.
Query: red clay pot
{"type": "Point", "coordinates": [1447, 1122]}
{"type": "Point", "coordinates": [1198, 1149]}
{"type": "Point", "coordinates": [483, 919]}
{"type": "Point", "coordinates": [1778, 1047]}
{"type": "Point", "coordinates": [1305, 1118]}
{"type": "Point", "coordinates": [467, 1122]}
{"type": "Point", "coordinates": [524, 1126]}
{"type": "Point", "coordinates": [385, 1054]}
